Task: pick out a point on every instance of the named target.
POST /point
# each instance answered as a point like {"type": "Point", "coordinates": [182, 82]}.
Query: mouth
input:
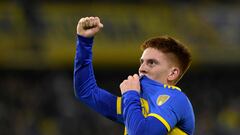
{"type": "Point", "coordinates": [142, 74]}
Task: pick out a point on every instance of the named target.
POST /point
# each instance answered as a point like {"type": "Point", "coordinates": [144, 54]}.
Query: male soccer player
{"type": "Point", "coordinates": [150, 103]}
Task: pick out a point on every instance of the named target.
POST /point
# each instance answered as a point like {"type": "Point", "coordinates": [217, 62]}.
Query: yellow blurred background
{"type": "Point", "coordinates": [44, 37]}
{"type": "Point", "coordinates": [37, 48]}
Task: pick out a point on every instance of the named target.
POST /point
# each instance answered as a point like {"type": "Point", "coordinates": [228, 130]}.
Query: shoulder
{"type": "Point", "coordinates": [179, 98]}
{"type": "Point", "coordinates": [176, 99]}
{"type": "Point", "coordinates": [176, 93]}
{"type": "Point", "coordinates": [181, 105]}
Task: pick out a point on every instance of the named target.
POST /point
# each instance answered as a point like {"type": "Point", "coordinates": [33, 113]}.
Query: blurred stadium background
{"type": "Point", "coordinates": [37, 43]}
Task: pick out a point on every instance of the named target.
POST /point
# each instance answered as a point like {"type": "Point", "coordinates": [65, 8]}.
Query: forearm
{"type": "Point", "coordinates": [85, 86]}
{"type": "Point", "coordinates": [134, 120]}
{"type": "Point", "coordinates": [83, 73]}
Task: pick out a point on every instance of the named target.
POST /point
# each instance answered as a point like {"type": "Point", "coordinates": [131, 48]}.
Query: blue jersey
{"type": "Point", "coordinates": [158, 110]}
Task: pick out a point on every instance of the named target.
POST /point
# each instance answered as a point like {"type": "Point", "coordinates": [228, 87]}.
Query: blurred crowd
{"type": "Point", "coordinates": [43, 103]}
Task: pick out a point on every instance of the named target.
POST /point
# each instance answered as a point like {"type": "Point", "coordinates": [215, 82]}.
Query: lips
{"type": "Point", "coordinates": [141, 74]}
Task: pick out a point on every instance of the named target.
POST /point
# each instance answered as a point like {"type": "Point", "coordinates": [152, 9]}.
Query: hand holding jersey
{"type": "Point", "coordinates": [131, 83]}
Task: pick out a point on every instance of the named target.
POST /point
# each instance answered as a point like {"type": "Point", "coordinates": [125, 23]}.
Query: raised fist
{"type": "Point", "coordinates": [89, 26]}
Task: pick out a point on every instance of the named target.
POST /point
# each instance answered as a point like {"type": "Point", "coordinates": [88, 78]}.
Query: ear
{"type": "Point", "coordinates": [173, 74]}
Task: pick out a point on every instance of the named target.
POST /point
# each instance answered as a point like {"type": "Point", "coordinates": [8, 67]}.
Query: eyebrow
{"type": "Point", "coordinates": [154, 60]}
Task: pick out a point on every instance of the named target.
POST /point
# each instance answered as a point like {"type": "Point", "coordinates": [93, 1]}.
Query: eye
{"type": "Point", "coordinates": [152, 62]}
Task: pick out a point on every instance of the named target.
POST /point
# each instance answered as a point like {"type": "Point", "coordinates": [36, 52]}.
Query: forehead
{"type": "Point", "coordinates": [152, 53]}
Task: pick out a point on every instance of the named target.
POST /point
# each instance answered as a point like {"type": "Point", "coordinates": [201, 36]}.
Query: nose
{"type": "Point", "coordinates": [142, 69]}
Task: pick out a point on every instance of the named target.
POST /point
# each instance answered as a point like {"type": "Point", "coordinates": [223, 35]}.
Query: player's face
{"type": "Point", "coordinates": [155, 65]}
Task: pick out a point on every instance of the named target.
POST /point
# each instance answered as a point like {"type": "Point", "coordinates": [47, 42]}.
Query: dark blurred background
{"type": "Point", "coordinates": [37, 43]}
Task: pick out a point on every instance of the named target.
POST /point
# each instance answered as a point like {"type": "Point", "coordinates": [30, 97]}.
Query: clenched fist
{"type": "Point", "coordinates": [131, 83]}
{"type": "Point", "coordinates": [89, 26]}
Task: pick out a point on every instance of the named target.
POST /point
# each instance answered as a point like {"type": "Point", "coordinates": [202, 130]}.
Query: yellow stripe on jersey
{"type": "Point", "coordinates": [175, 87]}
{"type": "Point", "coordinates": [145, 107]}
{"type": "Point", "coordinates": [119, 105]}
{"type": "Point", "coordinates": [177, 131]}
{"type": "Point", "coordinates": [161, 119]}
{"type": "Point", "coordinates": [125, 131]}
{"type": "Point", "coordinates": [171, 87]}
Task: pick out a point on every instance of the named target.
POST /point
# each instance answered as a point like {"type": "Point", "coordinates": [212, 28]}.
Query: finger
{"type": "Point", "coordinates": [97, 18]}
{"type": "Point", "coordinates": [81, 21]}
{"type": "Point", "coordinates": [123, 83]}
{"type": "Point", "coordinates": [135, 76]}
{"type": "Point", "coordinates": [84, 22]}
{"type": "Point", "coordinates": [130, 77]}
{"type": "Point", "coordinates": [100, 25]}
{"type": "Point", "coordinates": [99, 22]}
{"type": "Point", "coordinates": [93, 20]}
{"type": "Point", "coordinates": [91, 17]}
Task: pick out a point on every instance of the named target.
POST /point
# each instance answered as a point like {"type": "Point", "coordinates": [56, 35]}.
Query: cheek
{"type": "Point", "coordinates": [155, 74]}
{"type": "Point", "coordinates": [159, 74]}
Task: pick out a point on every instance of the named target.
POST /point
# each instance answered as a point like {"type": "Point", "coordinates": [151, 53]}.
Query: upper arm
{"type": "Point", "coordinates": [153, 127]}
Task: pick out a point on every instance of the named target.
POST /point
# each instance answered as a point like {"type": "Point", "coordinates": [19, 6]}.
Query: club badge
{"type": "Point", "coordinates": [162, 99]}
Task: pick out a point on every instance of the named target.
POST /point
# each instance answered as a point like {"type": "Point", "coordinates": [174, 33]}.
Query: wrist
{"type": "Point", "coordinates": [131, 93]}
{"type": "Point", "coordinates": [85, 39]}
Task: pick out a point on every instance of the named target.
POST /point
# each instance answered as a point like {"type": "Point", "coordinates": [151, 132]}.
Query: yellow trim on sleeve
{"type": "Point", "coordinates": [125, 131]}
{"type": "Point", "coordinates": [119, 107]}
{"type": "Point", "coordinates": [161, 119]}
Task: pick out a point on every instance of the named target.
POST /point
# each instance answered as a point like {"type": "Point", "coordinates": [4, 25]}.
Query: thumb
{"type": "Point", "coordinates": [100, 25]}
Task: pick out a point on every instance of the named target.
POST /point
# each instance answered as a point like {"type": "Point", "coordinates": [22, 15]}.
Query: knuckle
{"type": "Point", "coordinates": [97, 18]}
{"type": "Point", "coordinates": [123, 82]}
{"type": "Point", "coordinates": [81, 20]}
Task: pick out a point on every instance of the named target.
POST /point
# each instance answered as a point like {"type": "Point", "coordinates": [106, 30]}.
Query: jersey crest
{"type": "Point", "coordinates": [162, 99]}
